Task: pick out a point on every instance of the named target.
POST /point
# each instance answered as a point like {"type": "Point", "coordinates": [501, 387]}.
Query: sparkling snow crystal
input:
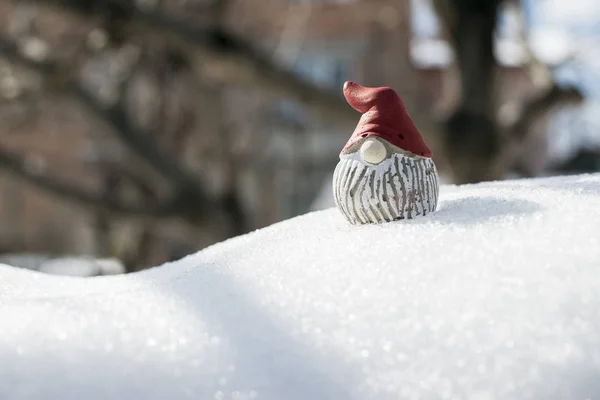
{"type": "Point", "coordinates": [494, 296]}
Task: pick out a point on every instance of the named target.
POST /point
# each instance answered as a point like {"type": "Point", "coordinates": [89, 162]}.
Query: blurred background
{"type": "Point", "coordinates": [135, 132]}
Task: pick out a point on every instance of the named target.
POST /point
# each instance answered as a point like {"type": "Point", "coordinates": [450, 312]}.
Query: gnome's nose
{"type": "Point", "coordinates": [373, 151]}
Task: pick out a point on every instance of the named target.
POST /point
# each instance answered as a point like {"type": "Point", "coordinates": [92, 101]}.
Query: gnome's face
{"type": "Point", "coordinates": [385, 171]}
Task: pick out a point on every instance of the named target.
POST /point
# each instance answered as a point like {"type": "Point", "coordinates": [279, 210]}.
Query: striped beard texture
{"type": "Point", "coordinates": [403, 186]}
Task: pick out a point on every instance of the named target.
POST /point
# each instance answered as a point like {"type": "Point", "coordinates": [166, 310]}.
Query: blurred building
{"type": "Point", "coordinates": [52, 142]}
{"type": "Point", "coordinates": [374, 42]}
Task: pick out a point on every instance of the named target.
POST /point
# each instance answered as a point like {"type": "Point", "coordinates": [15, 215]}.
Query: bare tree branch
{"type": "Point", "coordinates": [550, 95]}
{"type": "Point", "coordinates": [137, 141]}
{"type": "Point", "coordinates": [447, 16]}
{"type": "Point", "coordinates": [229, 58]}
{"type": "Point", "coordinates": [189, 199]}
{"type": "Point", "coordinates": [140, 142]}
{"type": "Point", "coordinates": [540, 73]}
{"type": "Point", "coordinates": [18, 167]}
{"type": "Point", "coordinates": [537, 107]}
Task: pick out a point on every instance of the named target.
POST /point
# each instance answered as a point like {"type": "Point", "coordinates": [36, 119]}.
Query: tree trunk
{"type": "Point", "coordinates": [472, 137]}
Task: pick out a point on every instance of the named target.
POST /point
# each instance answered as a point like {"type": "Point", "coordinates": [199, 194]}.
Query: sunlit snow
{"type": "Point", "coordinates": [494, 296]}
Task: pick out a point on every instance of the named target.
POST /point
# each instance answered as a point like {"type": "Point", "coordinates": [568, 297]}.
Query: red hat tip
{"type": "Point", "coordinates": [349, 85]}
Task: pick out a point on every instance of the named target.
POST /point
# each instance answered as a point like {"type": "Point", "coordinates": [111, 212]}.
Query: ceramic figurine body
{"type": "Point", "coordinates": [385, 172]}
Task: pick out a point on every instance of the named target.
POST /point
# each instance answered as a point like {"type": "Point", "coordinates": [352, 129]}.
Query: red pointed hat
{"type": "Point", "coordinates": [384, 116]}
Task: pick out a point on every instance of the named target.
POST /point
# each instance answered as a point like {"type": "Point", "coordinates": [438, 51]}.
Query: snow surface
{"type": "Point", "coordinates": [68, 265]}
{"type": "Point", "coordinates": [494, 296]}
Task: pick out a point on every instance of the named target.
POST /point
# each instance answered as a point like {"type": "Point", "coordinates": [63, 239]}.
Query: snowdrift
{"type": "Point", "coordinates": [494, 296]}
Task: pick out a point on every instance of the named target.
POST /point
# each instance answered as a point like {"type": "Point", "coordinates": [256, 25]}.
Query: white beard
{"type": "Point", "coordinates": [400, 187]}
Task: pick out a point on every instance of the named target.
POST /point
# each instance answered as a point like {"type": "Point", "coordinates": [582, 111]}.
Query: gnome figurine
{"type": "Point", "coordinates": [385, 172]}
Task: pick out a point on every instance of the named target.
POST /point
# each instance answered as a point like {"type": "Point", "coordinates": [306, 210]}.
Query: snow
{"type": "Point", "coordinates": [66, 265]}
{"type": "Point", "coordinates": [494, 296]}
